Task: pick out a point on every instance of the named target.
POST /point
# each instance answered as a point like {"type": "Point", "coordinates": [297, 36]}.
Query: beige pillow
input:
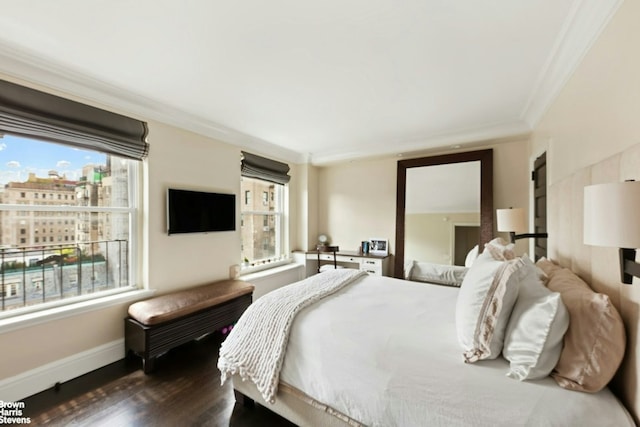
{"type": "Point", "coordinates": [595, 342]}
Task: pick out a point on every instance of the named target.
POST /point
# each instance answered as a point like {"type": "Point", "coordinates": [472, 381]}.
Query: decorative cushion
{"type": "Point", "coordinates": [534, 335]}
{"type": "Point", "coordinates": [500, 249]}
{"type": "Point", "coordinates": [595, 341]}
{"type": "Point", "coordinates": [487, 295]}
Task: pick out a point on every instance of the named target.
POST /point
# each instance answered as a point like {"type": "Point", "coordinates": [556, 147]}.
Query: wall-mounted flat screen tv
{"type": "Point", "coordinates": [200, 212]}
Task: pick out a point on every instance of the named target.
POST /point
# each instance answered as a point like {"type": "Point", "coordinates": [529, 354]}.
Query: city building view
{"type": "Point", "coordinates": [54, 244]}
{"type": "Point", "coordinates": [261, 220]}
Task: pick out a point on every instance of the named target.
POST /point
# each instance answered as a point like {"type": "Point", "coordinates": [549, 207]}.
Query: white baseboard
{"type": "Point", "coordinates": [17, 388]}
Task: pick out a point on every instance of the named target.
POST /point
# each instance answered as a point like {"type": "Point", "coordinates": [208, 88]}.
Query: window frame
{"type": "Point", "coordinates": [97, 299]}
{"type": "Point", "coordinates": [281, 220]}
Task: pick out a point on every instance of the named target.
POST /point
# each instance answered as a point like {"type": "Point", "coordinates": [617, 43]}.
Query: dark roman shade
{"type": "Point", "coordinates": [31, 113]}
{"type": "Point", "coordinates": [254, 166]}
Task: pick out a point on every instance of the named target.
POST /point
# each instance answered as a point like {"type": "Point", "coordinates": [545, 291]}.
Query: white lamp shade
{"type": "Point", "coordinates": [511, 220]}
{"type": "Point", "coordinates": [612, 215]}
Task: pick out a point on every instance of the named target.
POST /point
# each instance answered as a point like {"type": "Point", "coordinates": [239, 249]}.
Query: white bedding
{"type": "Point", "coordinates": [259, 354]}
{"type": "Point", "coordinates": [384, 351]}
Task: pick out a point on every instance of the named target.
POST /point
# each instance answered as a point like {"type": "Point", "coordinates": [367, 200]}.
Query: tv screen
{"type": "Point", "coordinates": [200, 212]}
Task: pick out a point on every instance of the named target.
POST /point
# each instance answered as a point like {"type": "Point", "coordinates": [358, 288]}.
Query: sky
{"type": "Point", "coordinates": [19, 156]}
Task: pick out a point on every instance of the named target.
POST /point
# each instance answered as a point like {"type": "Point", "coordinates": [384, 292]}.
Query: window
{"type": "Point", "coordinates": [89, 246]}
{"type": "Point", "coordinates": [61, 147]}
{"type": "Point", "coordinates": [260, 242]}
{"type": "Point", "coordinates": [264, 225]}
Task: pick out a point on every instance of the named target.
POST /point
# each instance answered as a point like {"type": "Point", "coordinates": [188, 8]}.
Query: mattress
{"type": "Point", "coordinates": [384, 352]}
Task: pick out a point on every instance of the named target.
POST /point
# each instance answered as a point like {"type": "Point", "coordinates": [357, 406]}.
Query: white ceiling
{"type": "Point", "coordinates": [321, 81]}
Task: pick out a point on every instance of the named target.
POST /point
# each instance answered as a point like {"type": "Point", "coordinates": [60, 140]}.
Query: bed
{"type": "Point", "coordinates": [380, 351]}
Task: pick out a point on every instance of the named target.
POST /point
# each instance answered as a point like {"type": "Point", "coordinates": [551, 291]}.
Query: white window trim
{"type": "Point", "coordinates": [265, 266]}
{"type": "Point", "coordinates": [135, 232]}
{"type": "Point", "coordinates": [34, 315]}
{"type": "Point", "coordinates": [282, 234]}
{"type": "Point", "coordinates": [269, 271]}
{"type": "Point", "coordinates": [44, 312]}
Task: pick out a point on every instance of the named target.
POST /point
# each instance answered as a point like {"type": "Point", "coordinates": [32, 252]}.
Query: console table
{"type": "Point", "coordinates": [373, 264]}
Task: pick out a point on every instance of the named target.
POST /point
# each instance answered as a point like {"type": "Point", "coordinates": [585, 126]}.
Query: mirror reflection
{"type": "Point", "coordinates": [442, 213]}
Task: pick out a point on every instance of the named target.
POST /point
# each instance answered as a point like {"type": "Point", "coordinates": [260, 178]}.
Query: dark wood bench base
{"type": "Point", "coordinates": [149, 342]}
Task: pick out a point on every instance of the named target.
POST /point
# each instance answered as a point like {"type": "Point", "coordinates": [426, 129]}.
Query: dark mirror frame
{"type": "Point", "coordinates": [486, 196]}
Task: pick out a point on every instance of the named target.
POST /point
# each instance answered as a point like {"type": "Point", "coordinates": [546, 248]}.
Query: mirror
{"type": "Point", "coordinates": [442, 230]}
{"type": "Point", "coordinates": [444, 206]}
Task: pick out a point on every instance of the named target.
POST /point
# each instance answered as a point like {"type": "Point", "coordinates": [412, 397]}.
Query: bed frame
{"type": "Point", "coordinates": [290, 406]}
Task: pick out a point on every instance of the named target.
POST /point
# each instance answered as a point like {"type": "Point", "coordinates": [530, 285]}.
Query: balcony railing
{"type": "Point", "coordinates": [35, 275]}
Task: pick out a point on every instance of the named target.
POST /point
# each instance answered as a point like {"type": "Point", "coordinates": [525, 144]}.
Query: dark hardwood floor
{"type": "Point", "coordinates": [184, 390]}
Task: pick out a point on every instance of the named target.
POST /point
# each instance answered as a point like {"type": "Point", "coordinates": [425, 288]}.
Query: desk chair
{"type": "Point", "coordinates": [324, 249]}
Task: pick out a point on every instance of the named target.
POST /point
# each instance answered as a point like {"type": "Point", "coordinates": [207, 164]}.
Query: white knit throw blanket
{"type": "Point", "coordinates": [256, 346]}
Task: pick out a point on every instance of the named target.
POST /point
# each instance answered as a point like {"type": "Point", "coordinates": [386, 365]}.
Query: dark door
{"type": "Point", "coordinates": [466, 237]}
{"type": "Point", "coordinates": [539, 177]}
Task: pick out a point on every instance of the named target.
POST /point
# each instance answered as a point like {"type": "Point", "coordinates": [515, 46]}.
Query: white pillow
{"type": "Point", "coordinates": [441, 274]}
{"type": "Point", "coordinates": [500, 249]}
{"type": "Point", "coordinates": [487, 295]}
{"type": "Point", "coordinates": [471, 256]}
{"type": "Point", "coordinates": [536, 329]}
{"type": "Point", "coordinates": [408, 267]}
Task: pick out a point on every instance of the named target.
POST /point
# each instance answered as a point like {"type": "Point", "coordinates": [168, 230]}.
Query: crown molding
{"type": "Point", "coordinates": [27, 67]}
{"type": "Point", "coordinates": [488, 133]}
{"type": "Point", "coordinates": [587, 19]}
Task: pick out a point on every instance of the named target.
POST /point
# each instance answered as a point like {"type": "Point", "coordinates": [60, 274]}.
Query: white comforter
{"type": "Point", "coordinates": [256, 347]}
{"type": "Point", "coordinates": [384, 352]}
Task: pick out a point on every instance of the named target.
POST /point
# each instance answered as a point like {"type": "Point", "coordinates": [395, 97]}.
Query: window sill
{"type": "Point", "coordinates": [33, 318]}
{"type": "Point", "coordinates": [265, 267]}
{"type": "Point", "coordinates": [266, 272]}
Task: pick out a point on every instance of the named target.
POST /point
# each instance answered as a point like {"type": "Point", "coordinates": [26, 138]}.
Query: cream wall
{"type": "Point", "coordinates": [357, 200]}
{"type": "Point", "coordinates": [592, 136]}
{"type": "Point", "coordinates": [304, 207]}
{"type": "Point", "coordinates": [429, 236]}
{"type": "Point", "coordinates": [181, 159]}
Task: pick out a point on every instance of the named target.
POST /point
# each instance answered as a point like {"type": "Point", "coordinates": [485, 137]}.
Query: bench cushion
{"type": "Point", "coordinates": [174, 305]}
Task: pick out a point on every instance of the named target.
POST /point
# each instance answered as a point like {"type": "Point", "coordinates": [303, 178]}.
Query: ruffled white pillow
{"type": "Point", "coordinates": [487, 295]}
{"type": "Point", "coordinates": [471, 256]}
{"type": "Point", "coordinates": [533, 339]}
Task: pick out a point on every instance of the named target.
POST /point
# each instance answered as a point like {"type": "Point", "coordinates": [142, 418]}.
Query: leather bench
{"type": "Point", "coordinates": [161, 323]}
